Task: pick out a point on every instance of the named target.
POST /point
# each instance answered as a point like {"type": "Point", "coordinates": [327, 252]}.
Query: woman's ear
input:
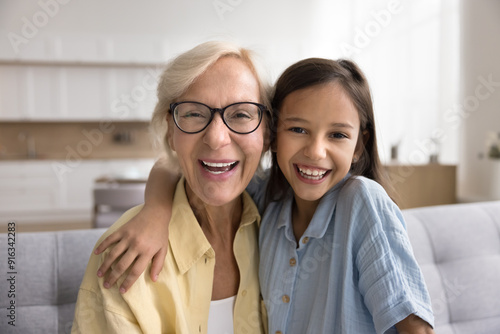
{"type": "Point", "coordinates": [170, 131]}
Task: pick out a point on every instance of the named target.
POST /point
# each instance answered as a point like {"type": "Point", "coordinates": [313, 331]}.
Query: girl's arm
{"type": "Point", "coordinates": [413, 325]}
{"type": "Point", "coordinates": [144, 237]}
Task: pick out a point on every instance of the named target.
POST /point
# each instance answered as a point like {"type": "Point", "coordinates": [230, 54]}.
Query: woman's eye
{"type": "Point", "coordinates": [192, 114]}
{"type": "Point", "coordinates": [241, 114]}
{"type": "Point", "coordinates": [297, 130]}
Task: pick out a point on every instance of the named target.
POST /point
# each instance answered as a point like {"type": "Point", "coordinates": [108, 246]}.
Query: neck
{"type": "Point", "coordinates": [302, 213]}
{"type": "Point", "coordinates": [219, 223]}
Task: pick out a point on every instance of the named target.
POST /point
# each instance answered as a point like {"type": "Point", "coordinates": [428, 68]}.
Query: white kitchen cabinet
{"type": "Point", "coordinates": [81, 77]}
{"type": "Point", "coordinates": [28, 187]}
{"type": "Point", "coordinates": [11, 85]}
{"type": "Point", "coordinates": [54, 191]}
{"type": "Point", "coordinates": [70, 91]}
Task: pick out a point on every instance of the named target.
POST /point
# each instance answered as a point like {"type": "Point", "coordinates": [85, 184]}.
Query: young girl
{"type": "Point", "coordinates": [334, 253]}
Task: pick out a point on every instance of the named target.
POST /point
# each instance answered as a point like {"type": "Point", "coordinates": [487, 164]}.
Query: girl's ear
{"type": "Point", "coordinates": [273, 146]}
{"type": "Point", "coordinates": [362, 140]}
{"type": "Point", "coordinates": [170, 131]}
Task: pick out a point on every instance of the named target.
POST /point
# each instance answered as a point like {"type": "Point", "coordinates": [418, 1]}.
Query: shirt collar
{"type": "Point", "coordinates": [321, 218]}
{"type": "Point", "coordinates": [187, 240]}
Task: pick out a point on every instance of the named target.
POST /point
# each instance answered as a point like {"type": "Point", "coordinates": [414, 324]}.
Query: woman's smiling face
{"type": "Point", "coordinates": [217, 163]}
{"type": "Point", "coordinates": [317, 136]}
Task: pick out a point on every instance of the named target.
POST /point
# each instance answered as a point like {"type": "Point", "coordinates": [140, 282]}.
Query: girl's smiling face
{"type": "Point", "coordinates": [317, 139]}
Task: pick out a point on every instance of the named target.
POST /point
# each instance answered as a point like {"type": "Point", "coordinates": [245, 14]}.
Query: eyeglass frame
{"type": "Point", "coordinates": [262, 109]}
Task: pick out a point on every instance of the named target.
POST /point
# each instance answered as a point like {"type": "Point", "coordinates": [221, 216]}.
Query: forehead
{"type": "Point", "coordinates": [327, 102]}
{"type": "Point", "coordinates": [227, 81]}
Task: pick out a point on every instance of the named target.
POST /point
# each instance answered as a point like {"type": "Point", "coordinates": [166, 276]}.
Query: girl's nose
{"type": "Point", "coordinates": [217, 133]}
{"type": "Point", "coordinates": [315, 149]}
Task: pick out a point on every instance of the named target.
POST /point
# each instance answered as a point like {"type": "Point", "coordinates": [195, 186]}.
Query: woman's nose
{"type": "Point", "coordinates": [315, 149]}
{"type": "Point", "coordinates": [217, 133]}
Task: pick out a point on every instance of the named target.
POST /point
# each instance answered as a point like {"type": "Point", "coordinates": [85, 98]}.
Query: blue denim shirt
{"type": "Point", "coordinates": [353, 271]}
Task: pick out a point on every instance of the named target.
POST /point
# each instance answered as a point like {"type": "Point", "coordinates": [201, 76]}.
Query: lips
{"type": "Point", "coordinates": [218, 167]}
{"type": "Point", "coordinates": [311, 173]}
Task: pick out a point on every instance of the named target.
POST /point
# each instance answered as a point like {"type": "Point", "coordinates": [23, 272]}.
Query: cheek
{"type": "Point", "coordinates": [184, 147]}
{"type": "Point", "coordinates": [252, 146]}
{"type": "Point", "coordinates": [282, 154]}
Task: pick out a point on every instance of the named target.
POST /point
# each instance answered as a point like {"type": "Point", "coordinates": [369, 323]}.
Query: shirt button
{"type": "Point", "coordinates": [244, 293]}
{"type": "Point", "coordinates": [293, 262]}
{"type": "Point", "coordinates": [305, 240]}
{"type": "Point", "coordinates": [286, 299]}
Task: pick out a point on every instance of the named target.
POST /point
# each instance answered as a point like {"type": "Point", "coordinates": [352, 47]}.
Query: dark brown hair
{"type": "Point", "coordinates": [317, 71]}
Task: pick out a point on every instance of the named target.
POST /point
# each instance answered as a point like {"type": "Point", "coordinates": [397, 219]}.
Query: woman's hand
{"type": "Point", "coordinates": [143, 238]}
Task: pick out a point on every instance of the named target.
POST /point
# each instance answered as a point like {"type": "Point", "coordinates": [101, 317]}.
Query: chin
{"type": "Point", "coordinates": [219, 199]}
{"type": "Point", "coordinates": [311, 197]}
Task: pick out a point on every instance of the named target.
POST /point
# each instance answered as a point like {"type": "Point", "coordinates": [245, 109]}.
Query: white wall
{"type": "Point", "coordinates": [153, 30]}
{"type": "Point", "coordinates": [479, 113]}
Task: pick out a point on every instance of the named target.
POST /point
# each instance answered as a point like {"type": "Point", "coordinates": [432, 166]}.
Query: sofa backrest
{"type": "Point", "coordinates": [458, 249]}
{"type": "Point", "coordinates": [47, 271]}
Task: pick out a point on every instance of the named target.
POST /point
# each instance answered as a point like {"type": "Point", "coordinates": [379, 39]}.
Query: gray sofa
{"type": "Point", "coordinates": [457, 246]}
{"type": "Point", "coordinates": [458, 249]}
{"type": "Point", "coordinates": [49, 268]}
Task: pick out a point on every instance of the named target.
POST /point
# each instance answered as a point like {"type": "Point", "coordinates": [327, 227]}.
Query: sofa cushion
{"type": "Point", "coordinates": [458, 249]}
{"type": "Point", "coordinates": [49, 268]}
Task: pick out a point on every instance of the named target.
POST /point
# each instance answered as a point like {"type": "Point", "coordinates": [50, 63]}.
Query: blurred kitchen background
{"type": "Point", "coordinates": [78, 81]}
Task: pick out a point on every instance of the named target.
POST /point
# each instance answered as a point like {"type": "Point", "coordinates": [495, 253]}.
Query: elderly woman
{"type": "Point", "coordinates": [213, 104]}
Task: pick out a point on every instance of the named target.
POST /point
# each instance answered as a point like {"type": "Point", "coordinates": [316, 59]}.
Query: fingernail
{"type": "Point", "coordinates": [122, 290]}
{"type": "Point", "coordinates": [99, 274]}
{"type": "Point", "coordinates": [156, 277]}
{"type": "Point", "coordinates": [106, 285]}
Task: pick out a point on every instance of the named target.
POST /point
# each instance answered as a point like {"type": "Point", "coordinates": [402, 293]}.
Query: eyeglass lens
{"type": "Point", "coordinates": [239, 117]}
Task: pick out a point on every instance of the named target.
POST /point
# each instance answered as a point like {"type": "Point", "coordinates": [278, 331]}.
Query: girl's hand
{"type": "Point", "coordinates": [413, 325]}
{"type": "Point", "coordinates": [143, 238]}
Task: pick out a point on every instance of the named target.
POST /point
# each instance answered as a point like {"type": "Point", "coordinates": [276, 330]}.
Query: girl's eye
{"type": "Point", "coordinates": [298, 130]}
{"type": "Point", "coordinates": [338, 135]}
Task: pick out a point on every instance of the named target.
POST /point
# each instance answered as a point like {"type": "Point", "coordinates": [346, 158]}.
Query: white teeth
{"type": "Point", "coordinates": [312, 174]}
{"type": "Point", "coordinates": [226, 165]}
{"type": "Point", "coordinates": [308, 172]}
{"type": "Point", "coordinates": [218, 164]}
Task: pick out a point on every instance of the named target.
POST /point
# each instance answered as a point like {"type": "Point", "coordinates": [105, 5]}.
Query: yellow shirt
{"type": "Point", "coordinates": [179, 301]}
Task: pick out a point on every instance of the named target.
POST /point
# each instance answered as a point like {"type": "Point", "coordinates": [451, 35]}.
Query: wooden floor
{"type": "Point", "coordinates": [40, 227]}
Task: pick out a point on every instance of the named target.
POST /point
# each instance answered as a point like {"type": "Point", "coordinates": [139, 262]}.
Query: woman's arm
{"type": "Point", "coordinates": [144, 237]}
{"type": "Point", "coordinates": [413, 325]}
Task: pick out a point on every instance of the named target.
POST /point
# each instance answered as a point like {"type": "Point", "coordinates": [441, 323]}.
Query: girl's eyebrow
{"type": "Point", "coordinates": [295, 119]}
{"type": "Point", "coordinates": [342, 125]}
{"type": "Point", "coordinates": [335, 124]}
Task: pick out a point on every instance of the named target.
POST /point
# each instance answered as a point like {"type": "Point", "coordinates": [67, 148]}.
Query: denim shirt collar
{"type": "Point", "coordinates": [319, 222]}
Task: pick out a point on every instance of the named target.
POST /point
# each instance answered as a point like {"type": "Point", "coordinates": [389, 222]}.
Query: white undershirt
{"type": "Point", "coordinates": [220, 316]}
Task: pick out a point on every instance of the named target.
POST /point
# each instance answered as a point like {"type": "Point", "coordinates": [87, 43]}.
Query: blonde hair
{"type": "Point", "coordinates": [182, 71]}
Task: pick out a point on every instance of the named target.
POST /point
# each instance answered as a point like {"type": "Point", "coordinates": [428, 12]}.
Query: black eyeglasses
{"type": "Point", "coordinates": [240, 117]}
